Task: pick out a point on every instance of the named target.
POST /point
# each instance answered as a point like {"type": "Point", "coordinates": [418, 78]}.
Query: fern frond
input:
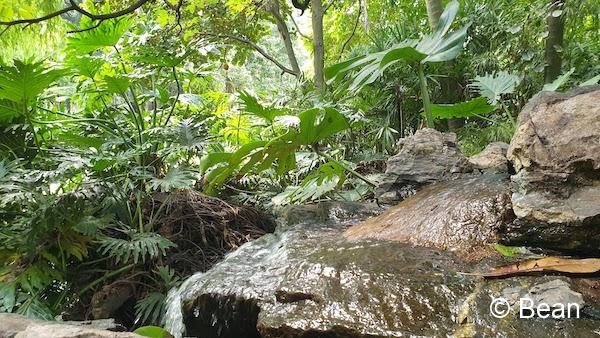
{"type": "Point", "coordinates": [139, 247]}
{"type": "Point", "coordinates": [150, 308]}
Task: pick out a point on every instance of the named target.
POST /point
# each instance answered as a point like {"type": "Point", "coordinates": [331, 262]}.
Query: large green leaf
{"type": "Point", "coordinates": [441, 45]}
{"type": "Point", "coordinates": [315, 126]}
{"type": "Point", "coordinates": [493, 86]}
{"type": "Point", "coordinates": [85, 65]}
{"type": "Point", "coordinates": [116, 84]}
{"type": "Point", "coordinates": [23, 82]}
{"type": "Point", "coordinates": [478, 106]}
{"type": "Point", "coordinates": [107, 34]}
{"type": "Point", "coordinates": [9, 110]}
{"type": "Point", "coordinates": [591, 81]}
{"type": "Point", "coordinates": [251, 105]}
{"type": "Point", "coordinates": [326, 178]}
{"type": "Point", "coordinates": [176, 178]}
{"type": "Point", "coordinates": [559, 82]}
{"type": "Point", "coordinates": [152, 332]}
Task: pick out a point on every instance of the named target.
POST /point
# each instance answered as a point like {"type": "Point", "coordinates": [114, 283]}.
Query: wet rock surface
{"type": "Point", "coordinates": [464, 215]}
{"type": "Point", "coordinates": [17, 326]}
{"type": "Point", "coordinates": [309, 282]}
{"type": "Point", "coordinates": [556, 153]}
{"type": "Point", "coordinates": [427, 156]}
{"type": "Point", "coordinates": [306, 280]}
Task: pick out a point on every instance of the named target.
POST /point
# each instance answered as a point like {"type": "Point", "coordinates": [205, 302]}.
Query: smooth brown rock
{"type": "Point", "coordinates": [463, 215]}
{"type": "Point", "coordinates": [492, 157]}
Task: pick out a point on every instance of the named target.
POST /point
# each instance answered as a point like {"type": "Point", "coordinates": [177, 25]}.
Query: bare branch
{"type": "Point", "coordinates": [353, 29]}
{"type": "Point", "coordinates": [256, 47]}
{"type": "Point", "coordinates": [86, 29]}
{"type": "Point", "coordinates": [298, 28]}
{"type": "Point", "coordinates": [107, 16]}
{"type": "Point", "coordinates": [76, 8]}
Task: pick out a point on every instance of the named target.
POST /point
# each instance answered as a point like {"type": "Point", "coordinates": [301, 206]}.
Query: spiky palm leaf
{"type": "Point", "coordinates": [493, 86]}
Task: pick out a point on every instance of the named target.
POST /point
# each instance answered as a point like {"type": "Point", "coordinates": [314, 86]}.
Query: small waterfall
{"type": "Point", "coordinates": [227, 299]}
{"type": "Point", "coordinates": [174, 315]}
{"type": "Point", "coordinates": [174, 312]}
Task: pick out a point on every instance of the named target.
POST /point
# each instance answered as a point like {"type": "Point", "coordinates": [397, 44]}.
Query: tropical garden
{"type": "Point", "coordinates": [128, 127]}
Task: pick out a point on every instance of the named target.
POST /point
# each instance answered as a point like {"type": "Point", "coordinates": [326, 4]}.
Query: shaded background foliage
{"type": "Point", "coordinates": [108, 133]}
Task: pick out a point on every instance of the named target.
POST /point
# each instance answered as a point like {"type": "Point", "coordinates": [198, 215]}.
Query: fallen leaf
{"type": "Point", "coordinates": [547, 264]}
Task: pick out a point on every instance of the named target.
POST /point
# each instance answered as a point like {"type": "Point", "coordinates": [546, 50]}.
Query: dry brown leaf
{"type": "Point", "coordinates": [547, 264]}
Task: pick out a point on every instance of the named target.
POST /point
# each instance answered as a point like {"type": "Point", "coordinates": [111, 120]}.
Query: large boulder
{"type": "Point", "coordinates": [17, 326]}
{"type": "Point", "coordinates": [425, 157]}
{"type": "Point", "coordinates": [306, 280]}
{"type": "Point", "coordinates": [463, 215]}
{"type": "Point", "coordinates": [556, 155]}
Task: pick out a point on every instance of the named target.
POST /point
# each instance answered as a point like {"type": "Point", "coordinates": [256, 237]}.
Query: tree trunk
{"type": "Point", "coordinates": [285, 35]}
{"type": "Point", "coordinates": [318, 45]}
{"type": "Point", "coordinates": [365, 16]}
{"type": "Point", "coordinates": [434, 10]}
{"type": "Point", "coordinates": [554, 42]}
{"type": "Point", "coordinates": [450, 86]}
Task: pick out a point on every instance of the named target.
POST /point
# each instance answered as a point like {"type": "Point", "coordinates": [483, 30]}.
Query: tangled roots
{"type": "Point", "coordinates": [204, 228]}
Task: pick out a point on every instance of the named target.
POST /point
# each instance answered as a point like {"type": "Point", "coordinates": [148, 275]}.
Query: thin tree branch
{"type": "Point", "coordinates": [298, 28]}
{"type": "Point", "coordinates": [36, 20]}
{"type": "Point", "coordinates": [325, 8]}
{"type": "Point", "coordinates": [75, 7]}
{"type": "Point", "coordinates": [86, 29]}
{"type": "Point", "coordinates": [256, 47]}
{"type": "Point", "coordinates": [353, 30]}
{"type": "Point", "coordinates": [176, 97]}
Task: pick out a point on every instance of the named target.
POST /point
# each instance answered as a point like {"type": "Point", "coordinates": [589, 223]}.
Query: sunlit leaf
{"type": "Point", "coordinates": [478, 106]}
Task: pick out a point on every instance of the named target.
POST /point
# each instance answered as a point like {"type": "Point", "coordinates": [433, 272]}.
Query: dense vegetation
{"type": "Point", "coordinates": [112, 112]}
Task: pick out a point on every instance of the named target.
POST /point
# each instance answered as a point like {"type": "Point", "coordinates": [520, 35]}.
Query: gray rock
{"type": "Point", "coordinates": [69, 331]}
{"type": "Point", "coordinates": [493, 158]}
{"type": "Point", "coordinates": [327, 211]}
{"type": "Point", "coordinates": [477, 321]}
{"type": "Point", "coordinates": [554, 292]}
{"type": "Point", "coordinates": [309, 282]}
{"type": "Point", "coordinates": [17, 326]}
{"type": "Point", "coordinates": [425, 157]}
{"type": "Point", "coordinates": [556, 153]}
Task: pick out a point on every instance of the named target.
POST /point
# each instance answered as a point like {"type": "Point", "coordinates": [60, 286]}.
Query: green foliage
{"type": "Point", "coordinates": [559, 82]}
{"type": "Point", "coordinates": [470, 108]}
{"type": "Point", "coordinates": [175, 178]}
{"type": "Point", "coordinates": [107, 34]}
{"type": "Point", "coordinates": [494, 86]}
{"type": "Point", "coordinates": [316, 125]}
{"type": "Point", "coordinates": [507, 251]}
{"type": "Point", "coordinates": [139, 247]}
{"type": "Point", "coordinates": [152, 332]}
{"type": "Point", "coordinates": [436, 47]}
{"type": "Point", "coordinates": [24, 81]}
{"type": "Point", "coordinates": [151, 308]}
